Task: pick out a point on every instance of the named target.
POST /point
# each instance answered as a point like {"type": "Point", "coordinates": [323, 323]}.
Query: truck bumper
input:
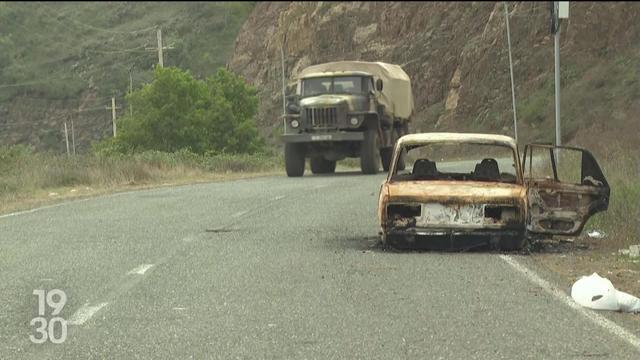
{"type": "Point", "coordinates": [317, 137]}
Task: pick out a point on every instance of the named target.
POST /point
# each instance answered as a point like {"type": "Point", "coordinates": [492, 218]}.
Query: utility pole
{"type": "Point", "coordinates": [560, 10]}
{"type": "Point", "coordinates": [160, 54]}
{"type": "Point", "coordinates": [113, 115]}
{"type": "Point", "coordinates": [284, 95]}
{"type": "Point", "coordinates": [556, 51]}
{"type": "Point", "coordinates": [160, 48]}
{"type": "Point", "coordinates": [66, 137]}
{"type": "Point", "coordinates": [513, 89]}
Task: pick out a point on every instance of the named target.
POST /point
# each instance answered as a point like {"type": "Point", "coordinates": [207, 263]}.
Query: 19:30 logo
{"type": "Point", "coordinates": [48, 329]}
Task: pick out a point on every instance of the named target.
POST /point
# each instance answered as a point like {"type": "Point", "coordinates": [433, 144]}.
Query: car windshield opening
{"type": "Point", "coordinates": [458, 162]}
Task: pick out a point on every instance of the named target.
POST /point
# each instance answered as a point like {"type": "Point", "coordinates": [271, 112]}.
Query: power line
{"type": "Point", "coordinates": [139, 49]}
{"type": "Point", "coordinates": [114, 31]}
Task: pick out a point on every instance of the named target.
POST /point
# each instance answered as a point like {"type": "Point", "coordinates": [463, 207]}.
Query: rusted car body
{"type": "Point", "coordinates": [486, 206]}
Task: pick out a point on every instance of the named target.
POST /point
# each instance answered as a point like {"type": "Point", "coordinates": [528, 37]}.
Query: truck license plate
{"type": "Point", "coordinates": [320, 137]}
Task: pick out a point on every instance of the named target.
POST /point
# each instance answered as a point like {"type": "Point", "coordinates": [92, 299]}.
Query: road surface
{"type": "Point", "coordinates": [274, 268]}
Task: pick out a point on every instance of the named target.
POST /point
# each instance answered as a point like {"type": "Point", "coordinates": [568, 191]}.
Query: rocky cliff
{"type": "Point", "coordinates": [456, 55]}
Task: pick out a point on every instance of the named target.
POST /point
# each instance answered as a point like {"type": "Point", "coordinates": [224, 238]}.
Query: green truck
{"type": "Point", "coordinates": [346, 109]}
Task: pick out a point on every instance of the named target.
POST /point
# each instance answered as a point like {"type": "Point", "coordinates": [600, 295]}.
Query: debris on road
{"type": "Point", "coordinates": [596, 234]}
{"type": "Point", "coordinates": [598, 293]}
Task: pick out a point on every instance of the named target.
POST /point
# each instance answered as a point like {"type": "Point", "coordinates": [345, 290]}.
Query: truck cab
{"type": "Point", "coordinates": [338, 113]}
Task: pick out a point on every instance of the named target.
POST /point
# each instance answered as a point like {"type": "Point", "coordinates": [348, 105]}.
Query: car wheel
{"type": "Point", "coordinates": [294, 159]}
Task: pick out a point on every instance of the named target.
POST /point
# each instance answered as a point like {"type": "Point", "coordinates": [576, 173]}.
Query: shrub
{"type": "Point", "coordinates": [176, 111]}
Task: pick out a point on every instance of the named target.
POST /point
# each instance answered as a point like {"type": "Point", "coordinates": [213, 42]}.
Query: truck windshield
{"type": "Point", "coordinates": [333, 85]}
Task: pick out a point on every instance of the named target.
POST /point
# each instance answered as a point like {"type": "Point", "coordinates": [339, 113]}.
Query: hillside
{"type": "Point", "coordinates": [58, 58]}
{"type": "Point", "coordinates": [456, 55]}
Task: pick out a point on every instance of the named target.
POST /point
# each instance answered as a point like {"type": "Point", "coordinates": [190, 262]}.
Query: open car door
{"type": "Point", "coordinates": [565, 186]}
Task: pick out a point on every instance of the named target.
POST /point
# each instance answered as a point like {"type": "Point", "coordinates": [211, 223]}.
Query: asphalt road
{"type": "Point", "coordinates": [271, 268]}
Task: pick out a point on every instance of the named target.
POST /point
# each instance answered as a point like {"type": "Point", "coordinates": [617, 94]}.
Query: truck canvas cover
{"type": "Point", "coordinates": [396, 96]}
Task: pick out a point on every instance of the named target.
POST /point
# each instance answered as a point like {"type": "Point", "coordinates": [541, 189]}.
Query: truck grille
{"type": "Point", "coordinates": [322, 118]}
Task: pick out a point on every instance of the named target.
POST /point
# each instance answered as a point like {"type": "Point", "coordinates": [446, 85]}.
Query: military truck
{"type": "Point", "coordinates": [346, 109]}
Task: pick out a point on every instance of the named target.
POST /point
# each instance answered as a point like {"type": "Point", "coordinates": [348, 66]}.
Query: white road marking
{"type": "Point", "coordinates": [240, 213]}
{"type": "Point", "coordinates": [30, 211]}
{"type": "Point", "coordinates": [179, 308]}
{"type": "Point", "coordinates": [85, 313]}
{"type": "Point", "coordinates": [140, 270]}
{"type": "Point", "coordinates": [279, 197]}
{"type": "Point", "coordinates": [560, 295]}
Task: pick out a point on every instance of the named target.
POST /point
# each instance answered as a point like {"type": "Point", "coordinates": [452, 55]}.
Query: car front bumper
{"type": "Point", "coordinates": [449, 238]}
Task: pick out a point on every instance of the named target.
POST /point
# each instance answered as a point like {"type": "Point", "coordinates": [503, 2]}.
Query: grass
{"type": "Point", "coordinates": [620, 222]}
{"type": "Point", "coordinates": [28, 178]}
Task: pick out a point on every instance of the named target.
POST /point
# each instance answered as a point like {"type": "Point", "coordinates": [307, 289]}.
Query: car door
{"type": "Point", "coordinates": [565, 187]}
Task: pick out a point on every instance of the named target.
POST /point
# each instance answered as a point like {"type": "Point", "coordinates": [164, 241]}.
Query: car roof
{"type": "Point", "coordinates": [449, 137]}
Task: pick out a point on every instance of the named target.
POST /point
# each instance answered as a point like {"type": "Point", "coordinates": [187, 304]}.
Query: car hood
{"type": "Point", "coordinates": [455, 192]}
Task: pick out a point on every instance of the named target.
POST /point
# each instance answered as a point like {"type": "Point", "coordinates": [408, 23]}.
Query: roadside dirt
{"type": "Point", "coordinates": [584, 256]}
{"type": "Point", "coordinates": [54, 196]}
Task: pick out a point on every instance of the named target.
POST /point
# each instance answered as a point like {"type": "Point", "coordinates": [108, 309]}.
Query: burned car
{"type": "Point", "coordinates": [468, 190]}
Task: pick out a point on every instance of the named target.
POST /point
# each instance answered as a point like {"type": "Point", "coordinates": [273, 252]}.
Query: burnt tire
{"type": "Point", "coordinates": [369, 154]}
{"type": "Point", "coordinates": [385, 157]}
{"type": "Point", "coordinates": [294, 159]}
{"type": "Point", "coordinates": [320, 165]}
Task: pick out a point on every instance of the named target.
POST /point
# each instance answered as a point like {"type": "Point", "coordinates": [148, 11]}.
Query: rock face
{"type": "Point", "coordinates": [456, 55]}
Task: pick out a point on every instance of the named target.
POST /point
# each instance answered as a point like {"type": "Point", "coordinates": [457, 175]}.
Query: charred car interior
{"type": "Point", "coordinates": [470, 190]}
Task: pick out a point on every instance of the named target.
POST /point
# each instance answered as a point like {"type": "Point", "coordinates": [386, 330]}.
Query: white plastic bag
{"type": "Point", "coordinates": [598, 293]}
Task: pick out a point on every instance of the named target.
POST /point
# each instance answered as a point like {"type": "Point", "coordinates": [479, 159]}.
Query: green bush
{"type": "Point", "coordinates": [176, 111]}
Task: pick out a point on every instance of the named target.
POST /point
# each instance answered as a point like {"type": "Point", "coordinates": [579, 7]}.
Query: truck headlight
{"type": "Point", "coordinates": [354, 121]}
{"type": "Point", "coordinates": [294, 123]}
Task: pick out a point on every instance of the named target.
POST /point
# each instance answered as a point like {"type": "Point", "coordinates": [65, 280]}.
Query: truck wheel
{"type": "Point", "coordinates": [401, 164]}
{"type": "Point", "coordinates": [321, 166]}
{"type": "Point", "coordinates": [294, 159]}
{"type": "Point", "coordinates": [385, 156]}
{"type": "Point", "coordinates": [369, 154]}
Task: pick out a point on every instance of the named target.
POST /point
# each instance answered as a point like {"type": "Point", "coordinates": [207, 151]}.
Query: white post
{"type": "Point", "coordinates": [113, 115]}
{"type": "Point", "coordinates": [73, 137]}
{"type": "Point", "coordinates": [513, 89]}
{"type": "Point", "coordinates": [160, 56]}
{"type": "Point", "coordinates": [66, 137]}
{"type": "Point", "coordinates": [130, 91]}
